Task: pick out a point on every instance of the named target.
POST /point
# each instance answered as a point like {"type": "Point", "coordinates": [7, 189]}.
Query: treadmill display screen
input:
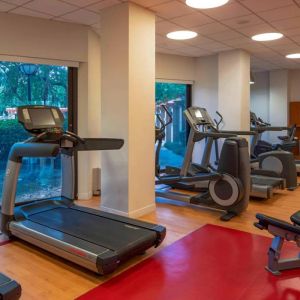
{"type": "Point", "coordinates": [41, 117]}
{"type": "Point", "coordinates": [198, 114]}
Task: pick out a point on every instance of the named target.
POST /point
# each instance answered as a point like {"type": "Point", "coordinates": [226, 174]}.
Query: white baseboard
{"type": "Point", "coordinates": [85, 196]}
{"type": "Point", "coordinates": [132, 214]}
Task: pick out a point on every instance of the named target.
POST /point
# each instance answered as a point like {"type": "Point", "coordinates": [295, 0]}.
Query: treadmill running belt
{"type": "Point", "coordinates": [108, 233]}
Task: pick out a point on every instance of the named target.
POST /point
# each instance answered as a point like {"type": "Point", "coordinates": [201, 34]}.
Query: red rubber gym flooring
{"type": "Point", "coordinates": [212, 263]}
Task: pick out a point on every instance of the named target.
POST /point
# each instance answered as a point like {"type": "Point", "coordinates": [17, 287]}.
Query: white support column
{"type": "Point", "coordinates": [234, 89]}
{"type": "Point", "coordinates": [128, 108]}
{"type": "Point", "coordinates": [205, 94]}
{"type": "Point", "coordinates": [278, 102]}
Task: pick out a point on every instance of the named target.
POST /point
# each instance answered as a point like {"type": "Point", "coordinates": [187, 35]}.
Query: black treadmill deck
{"type": "Point", "coordinates": [94, 239]}
{"type": "Point", "coordinates": [107, 233]}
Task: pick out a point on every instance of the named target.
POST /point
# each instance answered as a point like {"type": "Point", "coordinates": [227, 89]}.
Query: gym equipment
{"type": "Point", "coordinates": [262, 185]}
{"type": "Point", "coordinates": [282, 231]}
{"type": "Point", "coordinates": [160, 135]}
{"type": "Point", "coordinates": [9, 289]}
{"type": "Point", "coordinates": [96, 240]}
{"type": "Point", "coordinates": [218, 124]}
{"type": "Point", "coordinates": [227, 189]}
{"type": "Point", "coordinates": [258, 146]}
{"type": "Point", "coordinates": [274, 163]}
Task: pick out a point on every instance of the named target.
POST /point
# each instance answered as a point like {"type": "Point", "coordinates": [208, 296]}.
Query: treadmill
{"type": "Point", "coordinates": [93, 239]}
{"type": "Point", "coordinates": [9, 289]}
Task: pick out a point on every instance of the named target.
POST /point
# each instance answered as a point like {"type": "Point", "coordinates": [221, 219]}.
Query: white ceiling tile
{"type": "Point", "coordinates": [256, 29]}
{"type": "Point", "coordinates": [199, 41]}
{"type": "Point", "coordinates": [165, 27]}
{"type": "Point", "coordinates": [225, 35]}
{"type": "Point", "coordinates": [192, 20]}
{"type": "Point", "coordinates": [193, 51]}
{"type": "Point", "coordinates": [287, 23]}
{"type": "Point", "coordinates": [82, 16]}
{"type": "Point", "coordinates": [290, 11]}
{"type": "Point", "coordinates": [287, 44]}
{"type": "Point", "coordinates": [103, 4]}
{"type": "Point", "coordinates": [6, 7]}
{"type": "Point", "coordinates": [172, 9]}
{"type": "Point", "coordinates": [158, 19]}
{"type": "Point", "coordinates": [244, 21]}
{"type": "Point", "coordinates": [82, 3]}
{"type": "Point", "coordinates": [286, 51]}
{"type": "Point", "coordinates": [28, 12]}
{"type": "Point", "coordinates": [210, 28]}
{"type": "Point", "coordinates": [16, 2]}
{"type": "Point", "coordinates": [228, 11]}
{"type": "Point", "coordinates": [262, 5]}
{"type": "Point", "coordinates": [296, 38]}
{"type": "Point", "coordinates": [53, 7]}
{"type": "Point", "coordinates": [292, 31]}
{"type": "Point", "coordinates": [149, 3]}
{"type": "Point", "coordinates": [238, 41]}
{"type": "Point", "coordinates": [214, 46]}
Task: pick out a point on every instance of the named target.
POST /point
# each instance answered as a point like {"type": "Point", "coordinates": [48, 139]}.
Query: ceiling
{"type": "Point", "coordinates": [220, 29]}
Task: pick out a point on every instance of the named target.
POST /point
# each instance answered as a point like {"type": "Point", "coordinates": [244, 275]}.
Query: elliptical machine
{"type": "Point", "coordinates": [277, 162]}
{"type": "Point", "coordinates": [227, 188]}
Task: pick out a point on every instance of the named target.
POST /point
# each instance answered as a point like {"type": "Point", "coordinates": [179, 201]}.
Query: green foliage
{"type": "Point", "coordinates": [48, 86]}
{"type": "Point", "coordinates": [10, 132]}
{"type": "Point", "coordinates": [169, 91]}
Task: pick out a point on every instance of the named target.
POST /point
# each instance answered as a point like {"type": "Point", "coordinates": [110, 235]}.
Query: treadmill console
{"type": "Point", "coordinates": [198, 116]}
{"type": "Point", "coordinates": [36, 119]}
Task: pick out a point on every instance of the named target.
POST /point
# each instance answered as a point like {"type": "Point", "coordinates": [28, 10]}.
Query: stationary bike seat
{"type": "Point", "coordinates": [295, 218]}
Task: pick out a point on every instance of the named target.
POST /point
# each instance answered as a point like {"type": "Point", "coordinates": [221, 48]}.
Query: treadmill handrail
{"type": "Point", "coordinates": [97, 144]}
{"type": "Point", "coordinates": [269, 128]}
{"type": "Point", "coordinates": [240, 132]}
{"type": "Point", "coordinates": [20, 150]}
{"type": "Point", "coordinates": [209, 134]}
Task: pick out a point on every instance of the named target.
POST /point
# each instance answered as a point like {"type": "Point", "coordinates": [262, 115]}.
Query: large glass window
{"type": "Point", "coordinates": [175, 97]}
{"type": "Point", "coordinates": [29, 84]}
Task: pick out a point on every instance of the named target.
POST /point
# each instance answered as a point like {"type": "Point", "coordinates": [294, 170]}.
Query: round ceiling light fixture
{"type": "Point", "coordinates": [270, 36]}
{"type": "Point", "coordinates": [182, 35]}
{"type": "Point", "coordinates": [205, 4]}
{"type": "Point", "coordinates": [293, 56]}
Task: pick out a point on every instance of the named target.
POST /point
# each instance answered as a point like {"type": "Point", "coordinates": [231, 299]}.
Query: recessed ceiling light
{"type": "Point", "coordinates": [293, 56]}
{"type": "Point", "coordinates": [182, 35]}
{"type": "Point", "coordinates": [205, 4]}
{"type": "Point", "coordinates": [270, 36]}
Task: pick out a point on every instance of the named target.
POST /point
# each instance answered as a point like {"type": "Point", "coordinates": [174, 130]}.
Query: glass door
{"type": "Point", "coordinates": [176, 97]}
{"type": "Point", "coordinates": [31, 84]}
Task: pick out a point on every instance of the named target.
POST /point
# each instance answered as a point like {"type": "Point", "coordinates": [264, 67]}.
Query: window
{"type": "Point", "coordinates": [29, 84]}
{"type": "Point", "coordinates": [176, 97]}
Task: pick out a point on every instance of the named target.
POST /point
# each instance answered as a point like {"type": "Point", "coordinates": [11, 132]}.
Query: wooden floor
{"type": "Point", "coordinates": [45, 276]}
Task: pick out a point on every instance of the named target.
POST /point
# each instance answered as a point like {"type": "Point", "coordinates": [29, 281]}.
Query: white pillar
{"type": "Point", "coordinates": [205, 94]}
{"type": "Point", "coordinates": [278, 101]}
{"type": "Point", "coordinates": [234, 89]}
{"type": "Point", "coordinates": [128, 108]}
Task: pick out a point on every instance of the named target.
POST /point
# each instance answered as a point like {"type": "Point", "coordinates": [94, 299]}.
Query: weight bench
{"type": "Point", "coordinates": [281, 231]}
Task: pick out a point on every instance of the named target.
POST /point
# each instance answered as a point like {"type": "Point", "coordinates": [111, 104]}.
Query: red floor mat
{"type": "Point", "coordinates": [212, 263]}
{"type": "Point", "coordinates": [2, 243]}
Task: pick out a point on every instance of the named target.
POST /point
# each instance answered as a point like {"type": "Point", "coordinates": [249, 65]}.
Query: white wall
{"type": "Point", "coordinates": [42, 41]}
{"type": "Point", "coordinates": [205, 93]}
{"type": "Point", "coordinates": [40, 38]}
{"type": "Point", "coordinates": [260, 95]}
{"type": "Point", "coordinates": [174, 67]}
{"type": "Point", "coordinates": [278, 101]}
